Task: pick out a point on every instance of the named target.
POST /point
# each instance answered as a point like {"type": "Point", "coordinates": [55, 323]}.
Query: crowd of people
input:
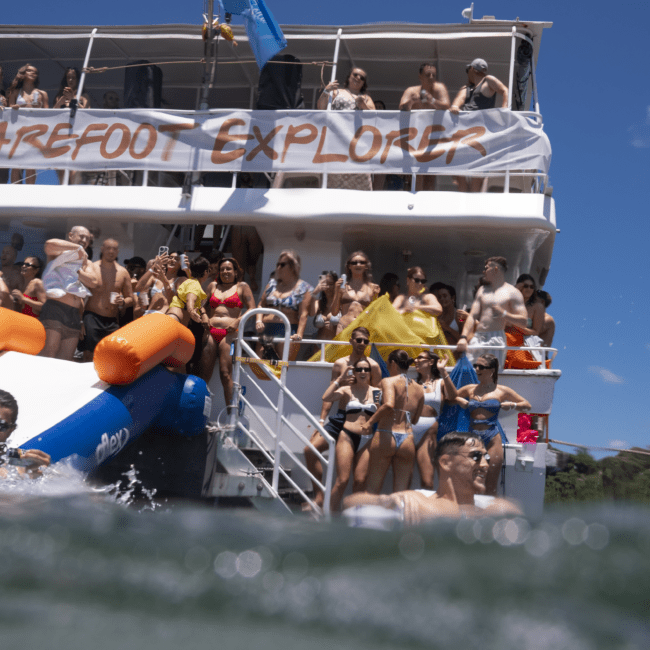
{"type": "Point", "coordinates": [379, 423]}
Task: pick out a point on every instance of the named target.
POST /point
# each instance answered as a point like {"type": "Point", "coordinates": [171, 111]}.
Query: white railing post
{"type": "Point", "coordinates": [337, 45]}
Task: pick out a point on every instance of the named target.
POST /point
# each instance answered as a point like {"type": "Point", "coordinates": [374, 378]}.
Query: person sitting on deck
{"type": "Point", "coordinates": [462, 464]}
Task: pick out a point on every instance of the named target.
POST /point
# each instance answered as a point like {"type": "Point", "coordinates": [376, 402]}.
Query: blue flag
{"type": "Point", "coordinates": [264, 34]}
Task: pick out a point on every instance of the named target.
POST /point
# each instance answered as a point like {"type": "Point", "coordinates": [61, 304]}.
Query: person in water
{"type": "Point", "coordinates": [462, 465]}
{"type": "Point", "coordinates": [31, 459]}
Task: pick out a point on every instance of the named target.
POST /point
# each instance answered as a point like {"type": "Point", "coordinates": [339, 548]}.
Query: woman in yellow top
{"type": "Point", "coordinates": [188, 306]}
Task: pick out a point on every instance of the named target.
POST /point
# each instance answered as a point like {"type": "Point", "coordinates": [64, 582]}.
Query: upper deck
{"type": "Point", "coordinates": [173, 181]}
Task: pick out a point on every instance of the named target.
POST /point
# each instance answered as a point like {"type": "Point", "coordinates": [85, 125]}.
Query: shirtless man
{"type": "Point", "coordinates": [496, 303]}
{"type": "Point", "coordinates": [100, 315]}
{"type": "Point", "coordinates": [359, 340]}
{"type": "Point", "coordinates": [430, 93]}
{"type": "Point", "coordinates": [462, 464]}
{"type": "Point", "coordinates": [8, 272]}
{"type": "Point", "coordinates": [61, 317]}
{"type": "Point", "coordinates": [479, 94]}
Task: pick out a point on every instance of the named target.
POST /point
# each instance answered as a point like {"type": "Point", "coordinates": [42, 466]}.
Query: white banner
{"type": "Point", "coordinates": [271, 141]}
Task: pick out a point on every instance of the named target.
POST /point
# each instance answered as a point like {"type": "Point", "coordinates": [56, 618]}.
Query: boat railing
{"type": "Point", "coordinates": [420, 346]}
{"type": "Point", "coordinates": [282, 423]}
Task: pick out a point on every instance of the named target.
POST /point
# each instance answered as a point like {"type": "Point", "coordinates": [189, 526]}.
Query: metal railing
{"type": "Point", "coordinates": [282, 423]}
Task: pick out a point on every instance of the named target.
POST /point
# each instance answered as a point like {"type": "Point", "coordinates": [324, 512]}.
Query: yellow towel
{"type": "Point", "coordinates": [385, 323]}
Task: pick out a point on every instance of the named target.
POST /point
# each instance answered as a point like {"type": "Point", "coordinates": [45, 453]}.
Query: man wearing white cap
{"type": "Point", "coordinates": [479, 94]}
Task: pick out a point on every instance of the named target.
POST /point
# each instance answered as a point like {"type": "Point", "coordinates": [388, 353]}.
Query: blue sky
{"type": "Point", "coordinates": [595, 99]}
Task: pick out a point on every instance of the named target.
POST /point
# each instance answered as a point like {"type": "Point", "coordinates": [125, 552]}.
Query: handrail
{"type": "Point", "coordinates": [280, 420]}
{"type": "Point", "coordinates": [393, 344]}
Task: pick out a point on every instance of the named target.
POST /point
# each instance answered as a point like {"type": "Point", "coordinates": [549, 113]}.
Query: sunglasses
{"type": "Point", "coordinates": [419, 280]}
{"type": "Point", "coordinates": [7, 426]}
{"type": "Point", "coordinates": [357, 263]}
{"type": "Point", "coordinates": [281, 265]}
{"type": "Point", "coordinates": [422, 359]}
{"type": "Point", "coordinates": [364, 341]}
{"type": "Point", "coordinates": [361, 369]}
{"type": "Point", "coordinates": [358, 76]}
{"type": "Point", "coordinates": [476, 456]}
{"type": "Point", "coordinates": [478, 366]}
{"type": "Point", "coordinates": [33, 266]}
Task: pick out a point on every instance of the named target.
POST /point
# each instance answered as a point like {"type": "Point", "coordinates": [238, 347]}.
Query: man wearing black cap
{"type": "Point", "coordinates": [479, 94]}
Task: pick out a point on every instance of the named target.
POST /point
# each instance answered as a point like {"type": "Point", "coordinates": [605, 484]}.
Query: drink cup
{"type": "Point", "coordinates": [144, 298]}
{"type": "Point", "coordinates": [114, 295]}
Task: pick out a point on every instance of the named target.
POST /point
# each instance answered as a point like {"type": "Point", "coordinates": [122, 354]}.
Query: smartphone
{"type": "Point", "coordinates": [321, 278]}
{"type": "Point", "coordinates": [163, 250]}
{"type": "Point", "coordinates": [350, 372]}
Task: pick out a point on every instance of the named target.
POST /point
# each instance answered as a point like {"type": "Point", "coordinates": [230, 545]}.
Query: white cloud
{"type": "Point", "coordinates": [618, 444]}
{"type": "Point", "coordinates": [641, 132]}
{"type": "Point", "coordinates": [607, 376]}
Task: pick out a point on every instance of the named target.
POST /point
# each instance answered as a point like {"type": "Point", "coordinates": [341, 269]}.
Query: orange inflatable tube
{"type": "Point", "coordinates": [20, 333]}
{"type": "Point", "coordinates": [136, 348]}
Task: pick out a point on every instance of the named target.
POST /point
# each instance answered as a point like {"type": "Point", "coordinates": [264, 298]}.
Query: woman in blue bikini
{"type": "Point", "coordinates": [392, 444]}
{"type": "Point", "coordinates": [484, 401]}
{"type": "Point", "coordinates": [287, 293]}
{"type": "Point", "coordinates": [359, 400]}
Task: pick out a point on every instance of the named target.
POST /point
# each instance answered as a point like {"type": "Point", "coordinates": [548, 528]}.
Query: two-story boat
{"type": "Point", "coordinates": [150, 176]}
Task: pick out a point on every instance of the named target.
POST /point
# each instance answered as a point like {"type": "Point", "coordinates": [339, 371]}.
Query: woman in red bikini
{"type": "Point", "coordinates": [31, 299]}
{"type": "Point", "coordinates": [229, 299]}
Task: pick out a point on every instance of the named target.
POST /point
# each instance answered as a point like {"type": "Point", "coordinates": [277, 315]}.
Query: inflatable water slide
{"type": "Point", "coordinates": [89, 412]}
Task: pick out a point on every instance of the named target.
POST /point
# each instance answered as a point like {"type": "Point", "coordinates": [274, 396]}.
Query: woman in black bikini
{"type": "Point", "coordinates": [229, 299]}
{"type": "Point", "coordinates": [359, 400]}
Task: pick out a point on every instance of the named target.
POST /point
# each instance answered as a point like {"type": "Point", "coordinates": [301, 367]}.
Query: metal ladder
{"type": "Point", "coordinates": [241, 477]}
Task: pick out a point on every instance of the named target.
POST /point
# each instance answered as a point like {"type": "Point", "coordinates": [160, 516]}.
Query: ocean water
{"type": "Point", "coordinates": [80, 569]}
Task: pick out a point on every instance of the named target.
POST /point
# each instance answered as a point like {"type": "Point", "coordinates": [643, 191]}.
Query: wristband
{"type": "Point", "coordinates": [336, 382]}
{"type": "Point", "coordinates": [322, 421]}
{"type": "Point", "coordinates": [462, 336]}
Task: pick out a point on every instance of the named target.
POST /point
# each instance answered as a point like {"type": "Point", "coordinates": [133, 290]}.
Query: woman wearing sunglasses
{"type": "Point", "coordinates": [484, 401]}
{"type": "Point", "coordinates": [352, 97]}
{"type": "Point", "coordinates": [416, 296]}
{"type": "Point", "coordinates": [31, 299]}
{"type": "Point", "coordinates": [357, 292]}
{"type": "Point", "coordinates": [287, 293]}
{"type": "Point", "coordinates": [359, 400]}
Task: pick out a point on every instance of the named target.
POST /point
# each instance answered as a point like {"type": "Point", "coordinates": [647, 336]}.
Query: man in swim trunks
{"type": "Point", "coordinates": [496, 304]}
{"type": "Point", "coordinates": [61, 317]}
{"type": "Point", "coordinates": [462, 464]}
{"type": "Point", "coordinates": [101, 315]}
{"type": "Point", "coordinates": [8, 419]}
{"type": "Point", "coordinates": [360, 339]}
